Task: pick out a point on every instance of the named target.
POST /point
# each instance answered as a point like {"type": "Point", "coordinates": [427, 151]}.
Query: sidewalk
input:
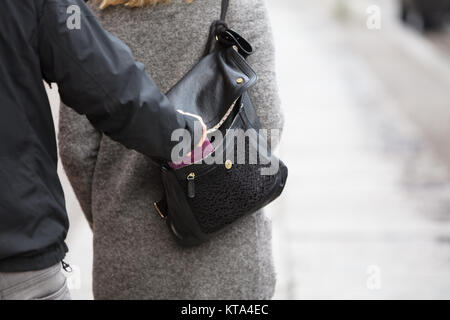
{"type": "Point", "coordinates": [366, 210]}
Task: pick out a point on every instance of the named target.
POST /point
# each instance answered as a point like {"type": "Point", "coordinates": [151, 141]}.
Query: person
{"type": "Point", "coordinates": [135, 256]}
{"type": "Point", "coordinates": [97, 76]}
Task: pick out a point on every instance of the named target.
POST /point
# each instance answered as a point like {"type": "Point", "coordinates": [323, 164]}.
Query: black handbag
{"type": "Point", "coordinates": [201, 200]}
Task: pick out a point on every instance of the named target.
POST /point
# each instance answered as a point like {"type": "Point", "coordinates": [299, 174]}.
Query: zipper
{"type": "Point", "coordinates": [191, 185]}
{"type": "Point", "coordinates": [66, 266]}
{"type": "Point", "coordinates": [225, 116]}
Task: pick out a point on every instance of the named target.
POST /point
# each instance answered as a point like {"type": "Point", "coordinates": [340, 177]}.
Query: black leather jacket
{"type": "Point", "coordinates": [98, 77]}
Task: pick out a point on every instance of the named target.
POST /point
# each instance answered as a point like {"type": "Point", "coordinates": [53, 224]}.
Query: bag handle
{"type": "Point", "coordinates": [217, 26]}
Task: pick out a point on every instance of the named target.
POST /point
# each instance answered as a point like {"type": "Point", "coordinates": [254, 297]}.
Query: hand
{"type": "Point", "coordinates": [204, 129]}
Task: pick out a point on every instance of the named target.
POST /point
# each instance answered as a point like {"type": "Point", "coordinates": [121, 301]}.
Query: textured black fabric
{"type": "Point", "coordinates": [98, 77]}
{"type": "Point", "coordinates": [223, 196]}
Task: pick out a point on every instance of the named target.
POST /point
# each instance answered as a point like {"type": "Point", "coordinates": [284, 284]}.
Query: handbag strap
{"type": "Point", "coordinates": [224, 9]}
{"type": "Point", "coordinates": [216, 27]}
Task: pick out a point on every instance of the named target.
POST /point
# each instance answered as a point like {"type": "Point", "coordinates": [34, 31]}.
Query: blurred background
{"type": "Point", "coordinates": [365, 88]}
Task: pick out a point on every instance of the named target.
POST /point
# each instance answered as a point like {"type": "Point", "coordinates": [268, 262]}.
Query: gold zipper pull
{"type": "Point", "coordinates": [191, 185]}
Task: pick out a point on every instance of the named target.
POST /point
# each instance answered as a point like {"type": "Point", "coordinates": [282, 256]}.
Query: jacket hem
{"type": "Point", "coordinates": [41, 260]}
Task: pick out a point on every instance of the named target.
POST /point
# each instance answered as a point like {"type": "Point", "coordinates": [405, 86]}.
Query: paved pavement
{"type": "Point", "coordinates": [366, 210]}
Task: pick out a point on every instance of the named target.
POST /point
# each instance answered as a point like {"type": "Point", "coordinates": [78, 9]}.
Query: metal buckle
{"type": "Point", "coordinates": [155, 205]}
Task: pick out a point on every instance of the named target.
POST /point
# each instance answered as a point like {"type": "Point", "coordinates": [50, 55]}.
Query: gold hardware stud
{"type": "Point", "coordinates": [239, 80]}
{"type": "Point", "coordinates": [217, 38]}
{"type": "Point", "coordinates": [235, 48]}
{"type": "Point", "coordinates": [228, 164]}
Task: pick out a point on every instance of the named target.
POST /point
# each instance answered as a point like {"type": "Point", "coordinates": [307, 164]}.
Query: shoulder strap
{"type": "Point", "coordinates": [224, 9]}
{"type": "Point", "coordinates": [216, 27]}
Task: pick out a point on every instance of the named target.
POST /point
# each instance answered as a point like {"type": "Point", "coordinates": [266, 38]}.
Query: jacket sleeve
{"type": "Point", "coordinates": [79, 143]}
{"type": "Point", "coordinates": [98, 77]}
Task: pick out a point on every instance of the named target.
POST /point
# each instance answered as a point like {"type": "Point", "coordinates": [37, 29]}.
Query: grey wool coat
{"type": "Point", "coordinates": [135, 256]}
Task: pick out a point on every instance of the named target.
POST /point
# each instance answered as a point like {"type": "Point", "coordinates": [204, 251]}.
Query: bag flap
{"type": "Point", "coordinates": [213, 85]}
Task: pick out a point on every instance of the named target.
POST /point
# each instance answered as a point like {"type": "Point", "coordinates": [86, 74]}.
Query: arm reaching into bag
{"type": "Point", "coordinates": [97, 76]}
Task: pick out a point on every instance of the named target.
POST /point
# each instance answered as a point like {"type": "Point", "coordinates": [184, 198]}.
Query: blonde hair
{"type": "Point", "coordinates": [133, 3]}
